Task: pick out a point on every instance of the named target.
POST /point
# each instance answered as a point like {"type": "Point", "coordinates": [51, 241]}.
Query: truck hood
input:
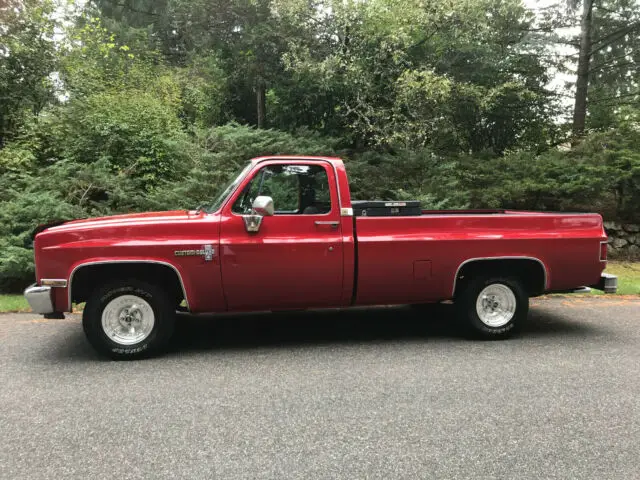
{"type": "Point", "coordinates": [124, 220]}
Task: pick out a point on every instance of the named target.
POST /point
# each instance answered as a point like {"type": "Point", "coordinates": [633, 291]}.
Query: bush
{"type": "Point", "coordinates": [405, 175]}
{"type": "Point", "coordinates": [602, 174]}
{"type": "Point", "coordinates": [63, 191]}
{"type": "Point", "coordinates": [523, 180]}
{"type": "Point", "coordinates": [18, 218]}
{"type": "Point", "coordinates": [137, 134]}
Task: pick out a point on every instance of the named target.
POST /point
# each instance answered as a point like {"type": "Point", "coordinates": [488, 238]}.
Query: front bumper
{"type": "Point", "coordinates": [40, 299]}
{"type": "Point", "coordinates": [608, 283]}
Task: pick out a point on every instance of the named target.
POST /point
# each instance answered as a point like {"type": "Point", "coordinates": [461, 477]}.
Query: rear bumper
{"type": "Point", "coordinates": [40, 299]}
{"type": "Point", "coordinates": [608, 283]}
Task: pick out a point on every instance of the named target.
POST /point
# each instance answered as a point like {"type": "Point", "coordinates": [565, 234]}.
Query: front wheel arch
{"type": "Point", "coordinates": [88, 276]}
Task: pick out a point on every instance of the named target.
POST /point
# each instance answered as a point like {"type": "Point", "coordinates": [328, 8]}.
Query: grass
{"type": "Point", "coordinates": [628, 284]}
{"type": "Point", "coordinates": [13, 303]}
{"type": "Point", "coordinates": [628, 277]}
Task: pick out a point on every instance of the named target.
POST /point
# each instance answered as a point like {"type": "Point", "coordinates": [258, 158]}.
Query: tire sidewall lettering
{"type": "Point", "coordinates": [158, 337]}
{"type": "Point", "coordinates": [467, 308]}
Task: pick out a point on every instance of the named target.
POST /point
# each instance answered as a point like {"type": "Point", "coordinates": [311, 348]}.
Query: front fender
{"type": "Point", "coordinates": [182, 277]}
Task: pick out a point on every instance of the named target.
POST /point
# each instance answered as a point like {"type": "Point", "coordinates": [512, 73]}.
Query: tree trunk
{"type": "Point", "coordinates": [582, 81]}
{"type": "Point", "coordinates": [261, 103]}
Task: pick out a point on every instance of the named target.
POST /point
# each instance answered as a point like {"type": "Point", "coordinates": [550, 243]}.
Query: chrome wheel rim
{"type": "Point", "coordinates": [496, 305]}
{"type": "Point", "coordinates": [128, 319]}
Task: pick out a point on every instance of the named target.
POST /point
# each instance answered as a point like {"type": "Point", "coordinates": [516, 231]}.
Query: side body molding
{"type": "Point", "coordinates": [108, 262]}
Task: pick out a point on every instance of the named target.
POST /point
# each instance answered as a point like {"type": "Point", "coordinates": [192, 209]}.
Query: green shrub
{"type": "Point", "coordinates": [602, 174]}
{"type": "Point", "coordinates": [405, 175]}
{"type": "Point", "coordinates": [137, 134]}
{"type": "Point", "coordinates": [62, 191]}
{"type": "Point", "coordinates": [18, 217]}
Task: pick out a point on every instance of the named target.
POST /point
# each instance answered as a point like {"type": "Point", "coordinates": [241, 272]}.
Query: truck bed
{"type": "Point", "coordinates": [428, 250]}
{"type": "Point", "coordinates": [411, 208]}
{"type": "Point", "coordinates": [493, 211]}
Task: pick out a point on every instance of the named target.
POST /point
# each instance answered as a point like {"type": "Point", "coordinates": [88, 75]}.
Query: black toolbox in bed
{"type": "Point", "coordinates": [368, 208]}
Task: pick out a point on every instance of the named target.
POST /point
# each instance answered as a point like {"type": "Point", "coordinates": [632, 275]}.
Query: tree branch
{"type": "Point", "coordinates": [425, 39]}
{"type": "Point", "coordinates": [619, 65]}
{"type": "Point", "coordinates": [614, 97]}
{"type": "Point", "coordinates": [550, 29]}
{"type": "Point", "coordinates": [619, 104]}
{"type": "Point", "coordinates": [617, 34]}
{"type": "Point", "coordinates": [85, 194]}
{"type": "Point", "coordinates": [609, 61]}
{"type": "Point", "coordinates": [129, 7]}
{"type": "Point", "coordinates": [600, 7]}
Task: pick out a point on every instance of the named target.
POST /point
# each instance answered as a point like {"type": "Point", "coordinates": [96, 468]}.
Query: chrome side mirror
{"type": "Point", "coordinates": [262, 207]}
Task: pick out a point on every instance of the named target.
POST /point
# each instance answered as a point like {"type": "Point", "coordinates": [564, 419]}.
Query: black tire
{"type": "Point", "coordinates": [159, 335]}
{"type": "Point", "coordinates": [468, 313]}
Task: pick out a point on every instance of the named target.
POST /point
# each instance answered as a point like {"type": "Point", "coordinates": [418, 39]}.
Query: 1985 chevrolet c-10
{"type": "Point", "coordinates": [285, 234]}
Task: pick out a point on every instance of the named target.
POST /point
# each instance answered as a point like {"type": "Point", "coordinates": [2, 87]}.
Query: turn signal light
{"type": "Point", "coordinates": [53, 282]}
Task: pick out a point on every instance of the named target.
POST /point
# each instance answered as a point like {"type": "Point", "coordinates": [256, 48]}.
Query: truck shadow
{"type": "Point", "coordinates": [435, 323]}
{"type": "Point", "coordinates": [396, 323]}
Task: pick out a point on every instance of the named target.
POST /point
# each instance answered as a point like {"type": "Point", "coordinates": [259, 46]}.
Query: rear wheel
{"type": "Point", "coordinates": [493, 307]}
{"type": "Point", "coordinates": [128, 319]}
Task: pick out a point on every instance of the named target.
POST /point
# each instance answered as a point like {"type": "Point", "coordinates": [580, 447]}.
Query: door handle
{"type": "Point", "coordinates": [332, 224]}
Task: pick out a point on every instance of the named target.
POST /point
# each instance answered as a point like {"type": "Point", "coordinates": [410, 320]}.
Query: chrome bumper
{"type": "Point", "coordinates": [40, 299]}
{"type": "Point", "coordinates": [608, 283]}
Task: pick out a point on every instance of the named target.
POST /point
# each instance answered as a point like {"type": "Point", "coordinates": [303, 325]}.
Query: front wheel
{"type": "Point", "coordinates": [128, 319]}
{"type": "Point", "coordinates": [493, 307]}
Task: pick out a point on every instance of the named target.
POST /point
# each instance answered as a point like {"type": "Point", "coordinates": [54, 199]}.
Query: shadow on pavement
{"type": "Point", "coordinates": [434, 322]}
{"type": "Point", "coordinates": [361, 325]}
{"type": "Point", "coordinates": [312, 327]}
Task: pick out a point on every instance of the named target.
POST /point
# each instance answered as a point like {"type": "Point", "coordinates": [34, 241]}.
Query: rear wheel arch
{"type": "Point", "coordinates": [87, 277]}
{"type": "Point", "coordinates": [531, 271]}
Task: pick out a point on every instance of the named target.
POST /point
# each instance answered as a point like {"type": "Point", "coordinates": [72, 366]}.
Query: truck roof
{"type": "Point", "coordinates": [333, 160]}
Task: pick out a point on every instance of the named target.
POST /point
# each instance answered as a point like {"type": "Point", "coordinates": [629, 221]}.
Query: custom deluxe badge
{"type": "Point", "coordinates": [207, 252]}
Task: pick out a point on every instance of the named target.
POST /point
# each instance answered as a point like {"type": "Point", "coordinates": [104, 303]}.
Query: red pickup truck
{"type": "Point", "coordinates": [285, 234]}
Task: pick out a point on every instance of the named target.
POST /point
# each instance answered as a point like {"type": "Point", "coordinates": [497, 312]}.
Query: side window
{"type": "Point", "coordinates": [283, 187]}
{"type": "Point", "coordinates": [295, 189]}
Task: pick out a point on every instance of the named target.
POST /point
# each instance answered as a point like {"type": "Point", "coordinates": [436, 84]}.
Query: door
{"type": "Point", "coordinates": [295, 260]}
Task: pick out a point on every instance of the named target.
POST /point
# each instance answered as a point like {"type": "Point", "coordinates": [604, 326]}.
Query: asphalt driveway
{"type": "Point", "coordinates": [377, 393]}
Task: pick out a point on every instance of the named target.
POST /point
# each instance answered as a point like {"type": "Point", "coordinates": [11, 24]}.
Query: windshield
{"type": "Point", "coordinates": [230, 188]}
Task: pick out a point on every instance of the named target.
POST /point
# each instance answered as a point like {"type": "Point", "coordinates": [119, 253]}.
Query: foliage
{"type": "Point", "coordinates": [601, 174]}
{"type": "Point", "coordinates": [609, 45]}
{"type": "Point", "coordinates": [27, 59]}
{"type": "Point", "coordinates": [424, 176]}
{"type": "Point", "coordinates": [425, 74]}
{"type": "Point", "coordinates": [138, 136]}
